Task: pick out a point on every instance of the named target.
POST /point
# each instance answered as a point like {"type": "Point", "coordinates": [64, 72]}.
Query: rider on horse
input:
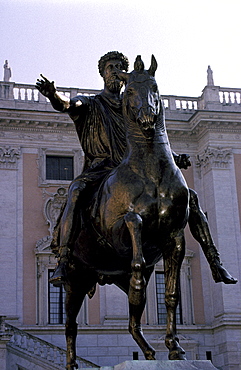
{"type": "Point", "coordinates": [100, 128]}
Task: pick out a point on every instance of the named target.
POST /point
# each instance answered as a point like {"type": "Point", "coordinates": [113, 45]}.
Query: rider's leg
{"type": "Point", "coordinates": [56, 232]}
{"type": "Point", "coordinates": [200, 230]}
{"type": "Point", "coordinates": [68, 231]}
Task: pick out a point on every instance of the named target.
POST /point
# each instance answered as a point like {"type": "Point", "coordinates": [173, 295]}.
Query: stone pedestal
{"type": "Point", "coordinates": [162, 365]}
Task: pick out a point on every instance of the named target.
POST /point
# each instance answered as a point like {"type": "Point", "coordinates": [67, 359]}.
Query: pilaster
{"type": "Point", "coordinates": [11, 225]}
{"type": "Point", "coordinates": [219, 187]}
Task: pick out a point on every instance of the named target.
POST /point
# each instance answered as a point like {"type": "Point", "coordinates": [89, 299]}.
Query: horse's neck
{"type": "Point", "coordinates": [135, 137]}
{"type": "Point", "coordinates": [143, 154]}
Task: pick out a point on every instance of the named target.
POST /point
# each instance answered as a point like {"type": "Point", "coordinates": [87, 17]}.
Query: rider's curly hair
{"type": "Point", "coordinates": [112, 55]}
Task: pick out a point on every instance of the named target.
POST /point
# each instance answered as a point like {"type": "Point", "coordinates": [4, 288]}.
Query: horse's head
{"type": "Point", "coordinates": [141, 101]}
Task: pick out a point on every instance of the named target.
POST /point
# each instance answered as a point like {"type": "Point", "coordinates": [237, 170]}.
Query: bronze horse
{"type": "Point", "coordinates": [138, 218]}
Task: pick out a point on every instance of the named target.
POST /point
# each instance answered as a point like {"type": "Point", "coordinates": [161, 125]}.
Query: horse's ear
{"type": "Point", "coordinates": [153, 66]}
{"type": "Point", "coordinates": [138, 65]}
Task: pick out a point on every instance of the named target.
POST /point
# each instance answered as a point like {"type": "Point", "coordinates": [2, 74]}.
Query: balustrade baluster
{"type": "Point", "coordinates": [235, 98]}
{"type": "Point", "coordinates": [25, 94]}
{"type": "Point", "coordinates": [36, 347]}
{"type": "Point", "coordinates": [30, 345]}
{"type": "Point", "coordinates": [42, 350]}
{"type": "Point", "coordinates": [50, 354]}
{"type": "Point", "coordinates": [62, 358]}
{"type": "Point", "coordinates": [55, 356]}
{"type": "Point", "coordinates": [224, 98]}
{"type": "Point", "coordinates": [23, 341]}
{"type": "Point", "coordinates": [16, 339]}
{"type": "Point", "coordinates": [229, 98]}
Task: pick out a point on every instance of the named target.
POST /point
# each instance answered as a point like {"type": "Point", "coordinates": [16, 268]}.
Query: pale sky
{"type": "Point", "coordinates": [64, 39]}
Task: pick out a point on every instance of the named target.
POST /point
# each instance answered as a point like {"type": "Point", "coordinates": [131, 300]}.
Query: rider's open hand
{"type": "Point", "coordinates": [46, 87]}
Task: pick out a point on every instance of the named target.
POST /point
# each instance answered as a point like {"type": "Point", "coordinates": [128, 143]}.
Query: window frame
{"type": "Point", "coordinates": [61, 305]}
{"type": "Point", "coordinates": [78, 163]}
{"type": "Point", "coordinates": [58, 159]}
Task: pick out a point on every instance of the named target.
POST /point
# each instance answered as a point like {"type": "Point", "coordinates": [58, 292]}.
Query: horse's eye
{"type": "Point", "coordinates": [154, 88]}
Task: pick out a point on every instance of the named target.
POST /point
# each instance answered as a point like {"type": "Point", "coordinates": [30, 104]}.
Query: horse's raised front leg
{"type": "Point", "coordinates": [172, 265]}
{"type": "Point", "coordinates": [137, 287]}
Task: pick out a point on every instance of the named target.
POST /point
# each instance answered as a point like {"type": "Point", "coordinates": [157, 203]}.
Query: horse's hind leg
{"type": "Point", "coordinates": [75, 294]}
{"type": "Point", "coordinates": [172, 265]}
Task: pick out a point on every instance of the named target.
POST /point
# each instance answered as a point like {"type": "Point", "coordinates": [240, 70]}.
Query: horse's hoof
{"type": "Point", "coordinates": [150, 355]}
{"type": "Point", "coordinates": [178, 354]}
{"type": "Point", "coordinates": [72, 366]}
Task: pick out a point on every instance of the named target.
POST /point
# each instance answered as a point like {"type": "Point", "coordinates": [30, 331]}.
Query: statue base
{"type": "Point", "coordinates": [162, 365]}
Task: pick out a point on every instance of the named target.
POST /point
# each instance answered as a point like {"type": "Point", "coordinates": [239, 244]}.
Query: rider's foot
{"type": "Point", "coordinates": [220, 274]}
{"type": "Point", "coordinates": [59, 276]}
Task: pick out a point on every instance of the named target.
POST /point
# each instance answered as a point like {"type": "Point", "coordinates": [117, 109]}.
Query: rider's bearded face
{"type": "Point", "coordinates": [112, 82]}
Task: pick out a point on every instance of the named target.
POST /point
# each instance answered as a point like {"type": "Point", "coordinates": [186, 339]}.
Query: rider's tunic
{"type": "Point", "coordinates": [100, 128]}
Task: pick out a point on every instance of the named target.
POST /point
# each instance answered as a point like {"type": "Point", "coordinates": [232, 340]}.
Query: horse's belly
{"type": "Point", "coordinates": [173, 206]}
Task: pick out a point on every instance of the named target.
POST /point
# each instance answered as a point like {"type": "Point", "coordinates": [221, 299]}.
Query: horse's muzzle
{"type": "Point", "coordinates": [147, 119]}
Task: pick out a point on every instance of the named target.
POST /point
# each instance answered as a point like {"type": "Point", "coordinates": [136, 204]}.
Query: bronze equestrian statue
{"type": "Point", "coordinates": [140, 211]}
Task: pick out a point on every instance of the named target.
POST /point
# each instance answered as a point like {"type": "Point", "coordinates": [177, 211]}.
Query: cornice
{"type": "Point", "coordinates": [34, 120]}
{"type": "Point", "coordinates": [54, 122]}
{"type": "Point", "coordinates": [204, 122]}
{"type": "Point", "coordinates": [36, 125]}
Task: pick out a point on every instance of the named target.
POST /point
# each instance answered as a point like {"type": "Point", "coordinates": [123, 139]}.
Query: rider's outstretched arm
{"type": "Point", "coordinates": [59, 101]}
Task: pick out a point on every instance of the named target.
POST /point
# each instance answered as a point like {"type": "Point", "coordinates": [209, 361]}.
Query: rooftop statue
{"type": "Point", "coordinates": [7, 72]}
{"type": "Point", "coordinates": [210, 77]}
{"type": "Point", "coordinates": [130, 205]}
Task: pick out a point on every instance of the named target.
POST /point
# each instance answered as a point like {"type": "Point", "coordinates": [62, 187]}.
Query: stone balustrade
{"type": "Point", "coordinates": [28, 93]}
{"type": "Point", "coordinates": [38, 347]}
{"type": "Point", "coordinates": [180, 103]}
{"type": "Point", "coordinates": [229, 96]}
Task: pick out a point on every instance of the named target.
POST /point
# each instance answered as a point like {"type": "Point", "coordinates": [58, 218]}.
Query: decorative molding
{"type": "Point", "coordinates": [52, 209]}
{"type": "Point", "coordinates": [214, 158]}
{"type": "Point", "coordinates": [9, 157]}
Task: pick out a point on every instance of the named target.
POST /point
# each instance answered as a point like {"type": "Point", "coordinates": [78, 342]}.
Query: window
{"type": "Point", "coordinates": [59, 168]}
{"type": "Point", "coordinates": [161, 307]}
{"type": "Point", "coordinates": [56, 299]}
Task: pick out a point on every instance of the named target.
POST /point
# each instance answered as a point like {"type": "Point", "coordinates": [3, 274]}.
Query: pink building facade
{"type": "Point", "coordinates": [32, 135]}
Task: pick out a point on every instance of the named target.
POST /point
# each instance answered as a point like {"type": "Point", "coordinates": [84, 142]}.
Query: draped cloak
{"type": "Point", "coordinates": [100, 128]}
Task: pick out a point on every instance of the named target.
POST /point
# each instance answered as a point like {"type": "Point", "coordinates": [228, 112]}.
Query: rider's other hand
{"type": "Point", "coordinates": [183, 161]}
